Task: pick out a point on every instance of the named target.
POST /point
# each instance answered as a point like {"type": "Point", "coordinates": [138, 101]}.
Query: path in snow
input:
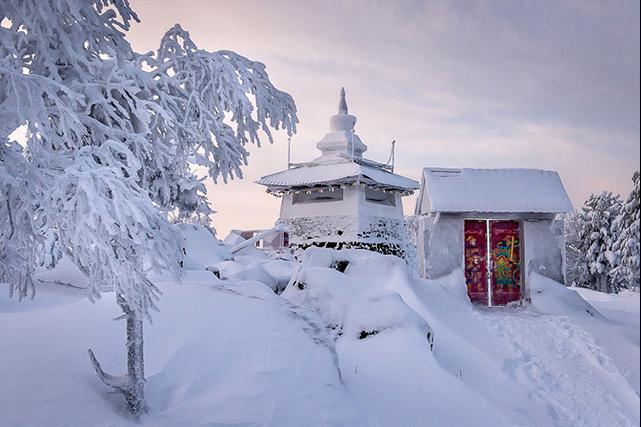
{"type": "Point", "coordinates": [562, 367]}
{"type": "Point", "coordinates": [548, 363]}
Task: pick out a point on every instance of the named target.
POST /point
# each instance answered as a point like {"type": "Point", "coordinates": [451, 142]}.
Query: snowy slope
{"type": "Point", "coordinates": [541, 363]}
{"type": "Point", "coordinates": [233, 352]}
{"type": "Point", "coordinates": [215, 354]}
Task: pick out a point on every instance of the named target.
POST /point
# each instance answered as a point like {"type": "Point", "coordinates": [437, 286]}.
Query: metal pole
{"type": "Point", "coordinates": [393, 155]}
{"type": "Point", "coordinates": [289, 152]}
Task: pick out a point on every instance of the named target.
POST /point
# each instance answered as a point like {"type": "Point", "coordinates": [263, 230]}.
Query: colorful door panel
{"type": "Point", "coordinates": [476, 261]}
{"type": "Point", "coordinates": [505, 251]}
{"type": "Point", "coordinates": [502, 249]}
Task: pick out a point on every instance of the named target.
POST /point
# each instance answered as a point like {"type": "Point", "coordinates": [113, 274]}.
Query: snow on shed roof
{"type": "Point", "coordinates": [343, 171]}
{"type": "Point", "coordinates": [492, 190]}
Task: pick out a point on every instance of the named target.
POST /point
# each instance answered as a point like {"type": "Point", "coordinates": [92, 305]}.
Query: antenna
{"type": "Point", "coordinates": [391, 156]}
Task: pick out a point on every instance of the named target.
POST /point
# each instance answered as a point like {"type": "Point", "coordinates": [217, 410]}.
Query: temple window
{"type": "Point", "coordinates": [380, 197]}
{"type": "Point", "coordinates": [318, 197]}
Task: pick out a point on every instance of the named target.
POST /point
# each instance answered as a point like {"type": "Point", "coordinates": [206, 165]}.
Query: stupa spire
{"type": "Point", "coordinates": [342, 105]}
{"type": "Point", "coordinates": [341, 137]}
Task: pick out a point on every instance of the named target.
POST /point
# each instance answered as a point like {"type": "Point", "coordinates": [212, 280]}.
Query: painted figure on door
{"type": "Point", "coordinates": [505, 252]}
{"type": "Point", "coordinates": [475, 259]}
{"type": "Point", "coordinates": [505, 261]}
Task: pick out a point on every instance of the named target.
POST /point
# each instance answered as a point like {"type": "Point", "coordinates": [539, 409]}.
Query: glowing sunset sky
{"type": "Point", "coordinates": [543, 84]}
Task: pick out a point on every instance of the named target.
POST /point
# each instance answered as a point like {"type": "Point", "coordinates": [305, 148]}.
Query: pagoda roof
{"type": "Point", "coordinates": [337, 172]}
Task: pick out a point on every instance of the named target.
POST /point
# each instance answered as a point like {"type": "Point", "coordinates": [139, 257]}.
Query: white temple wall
{"type": "Point", "coordinates": [379, 210]}
{"type": "Point", "coordinates": [351, 221]}
{"type": "Point", "coordinates": [353, 203]}
{"type": "Point", "coordinates": [345, 228]}
{"type": "Point", "coordinates": [335, 228]}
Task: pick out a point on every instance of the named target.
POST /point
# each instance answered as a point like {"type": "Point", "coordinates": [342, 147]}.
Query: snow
{"type": "Point", "coordinates": [622, 307]}
{"type": "Point", "coordinates": [233, 352]}
{"type": "Point", "coordinates": [360, 300]}
{"type": "Point", "coordinates": [335, 172]}
{"type": "Point", "coordinates": [492, 190]}
{"type": "Point", "coordinates": [201, 248]}
{"type": "Point", "coordinates": [217, 354]}
{"type": "Point", "coordinates": [540, 367]}
{"type": "Point", "coordinates": [547, 296]}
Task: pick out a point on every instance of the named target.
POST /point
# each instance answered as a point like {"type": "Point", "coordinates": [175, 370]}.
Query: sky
{"type": "Point", "coordinates": [533, 84]}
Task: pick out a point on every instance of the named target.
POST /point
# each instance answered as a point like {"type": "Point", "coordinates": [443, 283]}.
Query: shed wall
{"type": "Point", "coordinates": [543, 248]}
{"type": "Point", "coordinates": [441, 244]}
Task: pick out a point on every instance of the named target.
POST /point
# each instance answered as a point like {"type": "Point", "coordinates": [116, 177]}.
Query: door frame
{"type": "Point", "coordinates": [488, 254]}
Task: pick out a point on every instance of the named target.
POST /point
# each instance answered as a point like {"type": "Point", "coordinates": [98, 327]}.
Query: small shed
{"type": "Point", "coordinates": [498, 225]}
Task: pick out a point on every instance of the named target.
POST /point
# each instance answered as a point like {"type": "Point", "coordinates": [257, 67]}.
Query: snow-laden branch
{"type": "Point", "coordinates": [221, 100]}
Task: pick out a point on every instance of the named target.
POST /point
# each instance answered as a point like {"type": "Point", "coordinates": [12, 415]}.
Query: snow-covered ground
{"type": "Point", "coordinates": [233, 352]}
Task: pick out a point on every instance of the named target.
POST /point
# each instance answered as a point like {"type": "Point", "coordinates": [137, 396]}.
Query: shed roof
{"type": "Point", "coordinates": [492, 190]}
{"type": "Point", "coordinates": [324, 173]}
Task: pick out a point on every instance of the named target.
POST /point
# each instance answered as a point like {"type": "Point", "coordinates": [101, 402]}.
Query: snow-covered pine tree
{"type": "Point", "coordinates": [576, 265]}
{"type": "Point", "coordinates": [112, 138]}
{"type": "Point", "coordinates": [626, 245]}
{"type": "Point", "coordinates": [596, 239]}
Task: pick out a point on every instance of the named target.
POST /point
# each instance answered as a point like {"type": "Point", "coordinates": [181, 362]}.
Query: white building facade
{"type": "Point", "coordinates": [341, 199]}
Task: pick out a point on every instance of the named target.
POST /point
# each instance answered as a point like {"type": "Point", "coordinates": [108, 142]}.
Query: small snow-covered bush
{"type": "Point", "coordinates": [355, 293]}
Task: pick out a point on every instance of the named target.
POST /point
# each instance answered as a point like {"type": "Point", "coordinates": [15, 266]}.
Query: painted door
{"type": "Point", "coordinates": [476, 261]}
{"type": "Point", "coordinates": [505, 255]}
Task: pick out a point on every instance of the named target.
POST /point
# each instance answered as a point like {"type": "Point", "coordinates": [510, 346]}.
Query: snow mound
{"type": "Point", "coordinates": [231, 270]}
{"type": "Point", "coordinates": [351, 291]}
{"type": "Point", "coordinates": [553, 297]}
{"type": "Point", "coordinates": [281, 270]}
{"type": "Point", "coordinates": [204, 252]}
{"type": "Point", "coordinates": [385, 347]}
{"type": "Point", "coordinates": [201, 248]}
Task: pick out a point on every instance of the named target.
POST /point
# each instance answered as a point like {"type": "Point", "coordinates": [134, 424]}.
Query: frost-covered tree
{"type": "Point", "coordinates": [113, 139]}
{"type": "Point", "coordinates": [596, 237]}
{"type": "Point", "coordinates": [626, 245]}
{"type": "Point", "coordinates": [576, 265]}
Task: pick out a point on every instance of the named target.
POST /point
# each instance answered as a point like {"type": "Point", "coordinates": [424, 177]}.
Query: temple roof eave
{"type": "Point", "coordinates": [346, 181]}
{"type": "Point", "coordinates": [323, 174]}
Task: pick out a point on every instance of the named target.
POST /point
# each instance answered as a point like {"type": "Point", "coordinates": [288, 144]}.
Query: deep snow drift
{"type": "Point", "coordinates": [231, 351]}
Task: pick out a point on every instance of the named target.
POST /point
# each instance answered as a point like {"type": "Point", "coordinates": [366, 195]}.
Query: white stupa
{"type": "Point", "coordinates": [341, 199]}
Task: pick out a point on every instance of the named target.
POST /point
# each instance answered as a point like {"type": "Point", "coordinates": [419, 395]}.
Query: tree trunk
{"type": "Point", "coordinates": [132, 385]}
{"type": "Point", "coordinates": [135, 361]}
{"type": "Point", "coordinates": [604, 284]}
